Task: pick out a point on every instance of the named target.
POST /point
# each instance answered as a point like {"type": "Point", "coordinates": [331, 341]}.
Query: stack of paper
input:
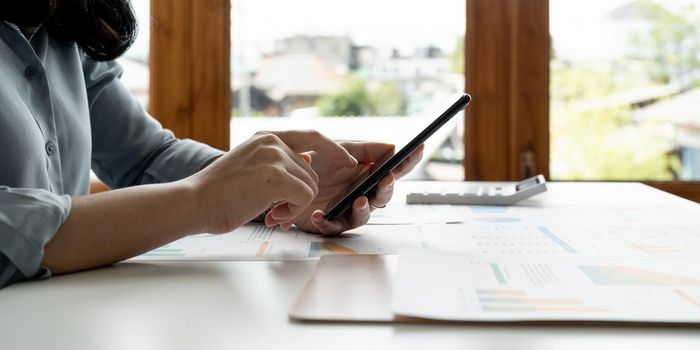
{"type": "Point", "coordinates": [440, 285]}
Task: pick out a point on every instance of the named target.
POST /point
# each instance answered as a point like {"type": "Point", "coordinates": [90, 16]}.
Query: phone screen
{"type": "Point", "coordinates": [368, 182]}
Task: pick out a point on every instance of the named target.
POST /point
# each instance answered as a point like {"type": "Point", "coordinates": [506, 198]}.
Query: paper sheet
{"type": "Point", "coordinates": [406, 214]}
{"type": "Point", "coordinates": [592, 240]}
{"type": "Point", "coordinates": [449, 286]}
{"type": "Point", "coordinates": [647, 229]}
{"type": "Point", "coordinates": [257, 242]}
{"type": "Point", "coordinates": [573, 215]}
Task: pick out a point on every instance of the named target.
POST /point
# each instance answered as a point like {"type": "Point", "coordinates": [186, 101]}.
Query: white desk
{"type": "Point", "coordinates": [244, 305]}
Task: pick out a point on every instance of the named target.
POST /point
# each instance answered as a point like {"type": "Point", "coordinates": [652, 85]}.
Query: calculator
{"type": "Point", "coordinates": [472, 194]}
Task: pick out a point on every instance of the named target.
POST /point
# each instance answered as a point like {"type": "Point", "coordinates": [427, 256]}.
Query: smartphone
{"type": "Point", "coordinates": [369, 181]}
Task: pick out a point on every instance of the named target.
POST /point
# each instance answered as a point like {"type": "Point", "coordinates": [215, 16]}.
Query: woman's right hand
{"type": "Point", "coordinates": [269, 170]}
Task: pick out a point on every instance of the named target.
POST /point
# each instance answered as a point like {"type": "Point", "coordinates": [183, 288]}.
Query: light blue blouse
{"type": "Point", "coordinates": [62, 114]}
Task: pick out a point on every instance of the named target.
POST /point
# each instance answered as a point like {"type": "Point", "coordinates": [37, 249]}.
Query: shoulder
{"type": "Point", "coordinates": [99, 72]}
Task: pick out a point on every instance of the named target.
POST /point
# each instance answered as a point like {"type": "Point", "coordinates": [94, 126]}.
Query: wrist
{"type": "Point", "coordinates": [192, 207]}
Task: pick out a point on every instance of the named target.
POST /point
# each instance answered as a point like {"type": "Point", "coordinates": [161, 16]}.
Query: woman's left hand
{"type": "Point", "coordinates": [335, 181]}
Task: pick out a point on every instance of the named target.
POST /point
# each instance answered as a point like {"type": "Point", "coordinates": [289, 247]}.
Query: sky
{"type": "Point", "coordinates": [396, 23]}
{"type": "Point", "coordinates": [580, 30]}
{"type": "Point", "coordinates": [383, 23]}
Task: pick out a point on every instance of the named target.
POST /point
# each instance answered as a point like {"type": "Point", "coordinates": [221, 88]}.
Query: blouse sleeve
{"type": "Point", "coordinates": [129, 146]}
{"type": "Point", "coordinates": [29, 218]}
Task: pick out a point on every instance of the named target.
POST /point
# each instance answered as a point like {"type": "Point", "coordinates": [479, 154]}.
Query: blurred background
{"type": "Point", "coordinates": [624, 80]}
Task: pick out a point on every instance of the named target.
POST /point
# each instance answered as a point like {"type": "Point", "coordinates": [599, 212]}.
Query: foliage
{"type": "Point", "coordinates": [580, 83]}
{"type": "Point", "coordinates": [599, 144]}
{"type": "Point", "coordinates": [457, 56]}
{"type": "Point", "coordinates": [386, 100]}
{"type": "Point", "coordinates": [355, 99]}
{"type": "Point", "coordinates": [672, 44]}
{"type": "Point", "coordinates": [350, 100]}
{"type": "Point", "coordinates": [596, 138]}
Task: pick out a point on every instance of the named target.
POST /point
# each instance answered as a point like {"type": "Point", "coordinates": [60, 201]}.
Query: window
{"type": "Point", "coordinates": [511, 54]}
{"type": "Point", "coordinates": [625, 90]}
{"type": "Point", "coordinates": [597, 88]}
{"type": "Point", "coordinates": [345, 68]}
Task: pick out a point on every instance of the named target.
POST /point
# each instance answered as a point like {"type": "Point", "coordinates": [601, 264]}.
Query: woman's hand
{"type": "Point", "coordinates": [268, 170]}
{"type": "Point", "coordinates": [336, 180]}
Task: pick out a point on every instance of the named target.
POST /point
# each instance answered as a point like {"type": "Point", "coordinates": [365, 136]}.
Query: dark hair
{"type": "Point", "coordinates": [103, 29]}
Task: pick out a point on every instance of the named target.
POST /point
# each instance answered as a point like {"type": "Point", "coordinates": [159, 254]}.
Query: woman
{"type": "Point", "coordinates": [63, 111]}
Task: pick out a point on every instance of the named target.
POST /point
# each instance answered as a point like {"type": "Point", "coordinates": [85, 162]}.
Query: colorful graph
{"type": "Point", "coordinates": [318, 249]}
{"type": "Point", "coordinates": [626, 276]}
{"type": "Point", "coordinates": [496, 269]}
{"type": "Point", "coordinates": [166, 251]}
{"type": "Point", "coordinates": [505, 240]}
{"type": "Point", "coordinates": [689, 298]}
{"type": "Point", "coordinates": [560, 242]}
{"type": "Point", "coordinates": [261, 232]}
{"type": "Point", "coordinates": [263, 249]}
{"type": "Point", "coordinates": [656, 248]}
{"type": "Point", "coordinates": [511, 300]}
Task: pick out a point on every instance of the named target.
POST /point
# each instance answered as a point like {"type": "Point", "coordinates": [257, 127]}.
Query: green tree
{"type": "Point", "coordinates": [602, 144]}
{"type": "Point", "coordinates": [350, 100]}
{"type": "Point", "coordinates": [672, 44]}
{"type": "Point", "coordinates": [457, 56]}
{"type": "Point", "coordinates": [387, 100]}
{"type": "Point", "coordinates": [355, 99]}
{"type": "Point", "coordinates": [596, 138]}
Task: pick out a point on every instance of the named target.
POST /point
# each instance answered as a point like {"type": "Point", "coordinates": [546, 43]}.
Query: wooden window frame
{"type": "Point", "coordinates": [507, 72]}
{"type": "Point", "coordinates": [190, 91]}
{"type": "Point", "coordinates": [507, 137]}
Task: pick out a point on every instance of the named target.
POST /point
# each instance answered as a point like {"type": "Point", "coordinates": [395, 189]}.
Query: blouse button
{"type": "Point", "coordinates": [30, 72]}
{"type": "Point", "coordinates": [50, 148]}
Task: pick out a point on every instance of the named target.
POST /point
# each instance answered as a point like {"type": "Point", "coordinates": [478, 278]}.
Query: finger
{"type": "Point", "coordinates": [271, 221]}
{"type": "Point", "coordinates": [384, 192]}
{"type": "Point", "coordinates": [409, 163]}
{"type": "Point", "coordinates": [306, 157]}
{"type": "Point", "coordinates": [312, 140]}
{"type": "Point", "coordinates": [360, 212]}
{"type": "Point", "coordinates": [326, 227]}
{"type": "Point", "coordinates": [369, 152]}
{"type": "Point", "coordinates": [295, 195]}
{"type": "Point", "coordinates": [301, 170]}
{"type": "Point", "coordinates": [285, 224]}
{"type": "Point", "coordinates": [303, 164]}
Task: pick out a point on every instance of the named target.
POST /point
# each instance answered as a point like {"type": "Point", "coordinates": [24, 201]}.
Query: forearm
{"type": "Point", "coordinates": [112, 226]}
